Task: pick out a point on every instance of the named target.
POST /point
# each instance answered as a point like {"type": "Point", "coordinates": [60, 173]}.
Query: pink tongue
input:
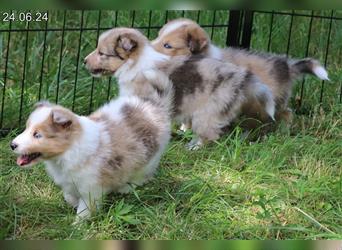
{"type": "Point", "coordinates": [23, 160]}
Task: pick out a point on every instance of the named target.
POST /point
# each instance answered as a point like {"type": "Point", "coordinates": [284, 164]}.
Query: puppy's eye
{"type": "Point", "coordinates": [36, 135]}
{"type": "Point", "coordinates": [101, 54]}
{"type": "Point", "coordinates": [167, 46]}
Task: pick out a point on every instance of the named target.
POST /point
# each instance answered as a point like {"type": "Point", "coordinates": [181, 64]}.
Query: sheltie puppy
{"type": "Point", "coordinates": [185, 37]}
{"type": "Point", "coordinates": [208, 93]}
{"type": "Point", "coordinates": [117, 146]}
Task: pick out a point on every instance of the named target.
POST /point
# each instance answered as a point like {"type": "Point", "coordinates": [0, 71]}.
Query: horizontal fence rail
{"type": "Point", "coordinates": [43, 59]}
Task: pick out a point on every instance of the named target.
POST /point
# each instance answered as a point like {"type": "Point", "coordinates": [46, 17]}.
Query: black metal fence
{"type": "Point", "coordinates": [41, 59]}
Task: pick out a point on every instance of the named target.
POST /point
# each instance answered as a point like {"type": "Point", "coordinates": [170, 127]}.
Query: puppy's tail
{"type": "Point", "coordinates": [162, 88]}
{"type": "Point", "coordinates": [308, 66]}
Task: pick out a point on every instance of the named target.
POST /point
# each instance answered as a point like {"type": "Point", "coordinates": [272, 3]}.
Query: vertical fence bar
{"type": "Point", "coordinates": [24, 74]}
{"type": "Point", "coordinates": [93, 80]}
{"type": "Point", "coordinates": [198, 16]}
{"type": "Point", "coordinates": [60, 57]}
{"type": "Point", "coordinates": [149, 24]}
{"type": "Point", "coordinates": [240, 21]}
{"type": "Point", "coordinates": [5, 74]}
{"type": "Point", "coordinates": [270, 33]}
{"type": "Point", "coordinates": [212, 25]}
{"type": "Point", "coordinates": [110, 78]}
{"type": "Point", "coordinates": [290, 33]}
{"type": "Point", "coordinates": [326, 54]}
{"type": "Point", "coordinates": [116, 18]}
{"type": "Point", "coordinates": [133, 18]}
{"type": "Point", "coordinates": [247, 29]}
{"type": "Point", "coordinates": [166, 16]}
{"type": "Point", "coordinates": [306, 55]}
{"type": "Point", "coordinates": [43, 59]}
{"type": "Point", "coordinates": [233, 34]}
{"type": "Point", "coordinates": [78, 60]}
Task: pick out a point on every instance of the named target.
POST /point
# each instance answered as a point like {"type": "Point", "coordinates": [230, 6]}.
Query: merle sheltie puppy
{"type": "Point", "coordinates": [117, 146]}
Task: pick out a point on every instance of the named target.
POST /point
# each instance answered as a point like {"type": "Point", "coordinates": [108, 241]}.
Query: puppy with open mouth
{"type": "Point", "coordinates": [185, 37]}
{"type": "Point", "coordinates": [117, 146]}
{"type": "Point", "coordinates": [208, 93]}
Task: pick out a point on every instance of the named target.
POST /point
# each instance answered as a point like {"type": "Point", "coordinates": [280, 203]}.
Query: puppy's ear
{"type": "Point", "coordinates": [127, 42]}
{"type": "Point", "coordinates": [197, 38]}
{"type": "Point", "coordinates": [41, 104]}
{"type": "Point", "coordinates": [61, 118]}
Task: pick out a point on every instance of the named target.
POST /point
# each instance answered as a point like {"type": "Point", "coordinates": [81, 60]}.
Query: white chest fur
{"type": "Point", "coordinates": [77, 167]}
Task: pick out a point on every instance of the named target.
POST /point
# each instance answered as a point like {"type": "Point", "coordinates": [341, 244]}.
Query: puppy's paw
{"type": "Point", "coordinates": [82, 217]}
{"type": "Point", "coordinates": [195, 144]}
{"type": "Point", "coordinates": [79, 220]}
{"type": "Point", "coordinates": [71, 200]}
{"type": "Point", "coordinates": [184, 127]}
{"type": "Point", "coordinates": [125, 189]}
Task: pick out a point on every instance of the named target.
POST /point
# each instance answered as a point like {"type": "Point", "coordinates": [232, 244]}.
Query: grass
{"type": "Point", "coordinates": [286, 186]}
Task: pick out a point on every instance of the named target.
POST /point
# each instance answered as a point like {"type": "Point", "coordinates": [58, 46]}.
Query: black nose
{"type": "Point", "coordinates": [13, 145]}
{"type": "Point", "coordinates": [85, 61]}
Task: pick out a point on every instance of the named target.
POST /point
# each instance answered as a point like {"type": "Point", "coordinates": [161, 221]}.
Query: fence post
{"type": "Point", "coordinates": [247, 29]}
{"type": "Point", "coordinates": [233, 34]}
{"type": "Point", "coordinates": [240, 22]}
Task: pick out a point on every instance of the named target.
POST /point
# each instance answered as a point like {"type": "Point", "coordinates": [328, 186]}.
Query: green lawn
{"type": "Point", "coordinates": [286, 186]}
